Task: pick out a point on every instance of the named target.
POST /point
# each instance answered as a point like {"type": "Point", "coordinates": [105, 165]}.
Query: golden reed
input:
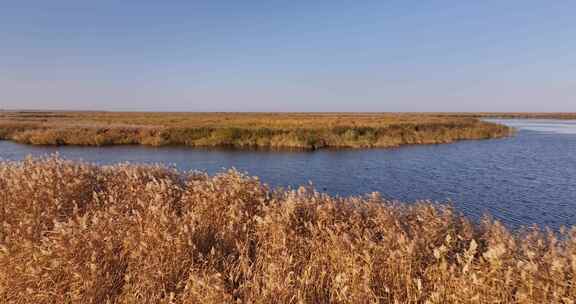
{"type": "Point", "coordinates": [243, 130]}
{"type": "Point", "coordinates": [72, 232]}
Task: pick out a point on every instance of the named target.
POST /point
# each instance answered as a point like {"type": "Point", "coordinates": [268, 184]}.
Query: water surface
{"type": "Point", "coordinates": [526, 179]}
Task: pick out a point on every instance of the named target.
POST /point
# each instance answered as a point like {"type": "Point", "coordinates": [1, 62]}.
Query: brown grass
{"type": "Point", "coordinates": [78, 233]}
{"type": "Point", "coordinates": [249, 130]}
{"type": "Point", "coordinates": [518, 115]}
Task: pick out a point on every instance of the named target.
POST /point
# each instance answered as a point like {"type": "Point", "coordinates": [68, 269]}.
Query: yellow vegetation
{"type": "Point", "coordinates": [248, 130]}
{"type": "Point", "coordinates": [79, 233]}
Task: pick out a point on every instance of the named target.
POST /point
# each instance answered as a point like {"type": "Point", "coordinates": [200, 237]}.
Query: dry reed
{"type": "Point", "coordinates": [74, 232]}
{"type": "Point", "coordinates": [252, 130]}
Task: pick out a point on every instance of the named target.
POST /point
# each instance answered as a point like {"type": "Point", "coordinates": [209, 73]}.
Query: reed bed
{"type": "Point", "coordinates": [73, 232]}
{"type": "Point", "coordinates": [252, 130]}
{"type": "Point", "coordinates": [517, 115]}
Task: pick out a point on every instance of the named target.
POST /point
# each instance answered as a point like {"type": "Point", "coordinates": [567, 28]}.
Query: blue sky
{"type": "Point", "coordinates": [288, 55]}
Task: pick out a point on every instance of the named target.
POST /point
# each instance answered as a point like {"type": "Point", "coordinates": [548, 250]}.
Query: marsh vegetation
{"type": "Point", "coordinates": [74, 232]}
{"type": "Point", "coordinates": [249, 130]}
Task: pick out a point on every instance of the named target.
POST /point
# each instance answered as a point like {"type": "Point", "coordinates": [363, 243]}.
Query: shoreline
{"type": "Point", "coordinates": [244, 131]}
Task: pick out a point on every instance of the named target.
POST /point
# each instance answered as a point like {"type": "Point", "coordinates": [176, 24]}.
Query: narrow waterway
{"type": "Point", "coordinates": [526, 179]}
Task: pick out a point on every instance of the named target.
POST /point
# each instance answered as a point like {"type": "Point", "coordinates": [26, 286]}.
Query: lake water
{"type": "Point", "coordinates": [526, 179]}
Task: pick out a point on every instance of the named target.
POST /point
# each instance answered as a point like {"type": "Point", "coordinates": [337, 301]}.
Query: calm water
{"type": "Point", "coordinates": [529, 178]}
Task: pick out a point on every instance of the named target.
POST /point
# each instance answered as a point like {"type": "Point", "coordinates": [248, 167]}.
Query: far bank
{"type": "Point", "coordinates": [243, 130]}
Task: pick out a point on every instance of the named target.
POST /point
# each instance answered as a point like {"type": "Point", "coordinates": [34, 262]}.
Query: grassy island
{"type": "Point", "coordinates": [242, 130]}
{"type": "Point", "coordinates": [79, 233]}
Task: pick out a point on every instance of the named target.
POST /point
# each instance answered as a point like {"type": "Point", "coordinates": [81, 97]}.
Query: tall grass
{"type": "Point", "coordinates": [305, 131]}
{"type": "Point", "coordinates": [74, 232]}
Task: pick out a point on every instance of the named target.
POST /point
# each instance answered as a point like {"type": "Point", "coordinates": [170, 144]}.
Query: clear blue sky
{"type": "Point", "coordinates": [494, 55]}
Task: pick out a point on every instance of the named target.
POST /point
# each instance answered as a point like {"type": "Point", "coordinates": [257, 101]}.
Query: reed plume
{"type": "Point", "coordinates": [73, 232]}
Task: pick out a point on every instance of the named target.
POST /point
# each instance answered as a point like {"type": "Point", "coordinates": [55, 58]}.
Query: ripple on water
{"type": "Point", "coordinates": [526, 179]}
